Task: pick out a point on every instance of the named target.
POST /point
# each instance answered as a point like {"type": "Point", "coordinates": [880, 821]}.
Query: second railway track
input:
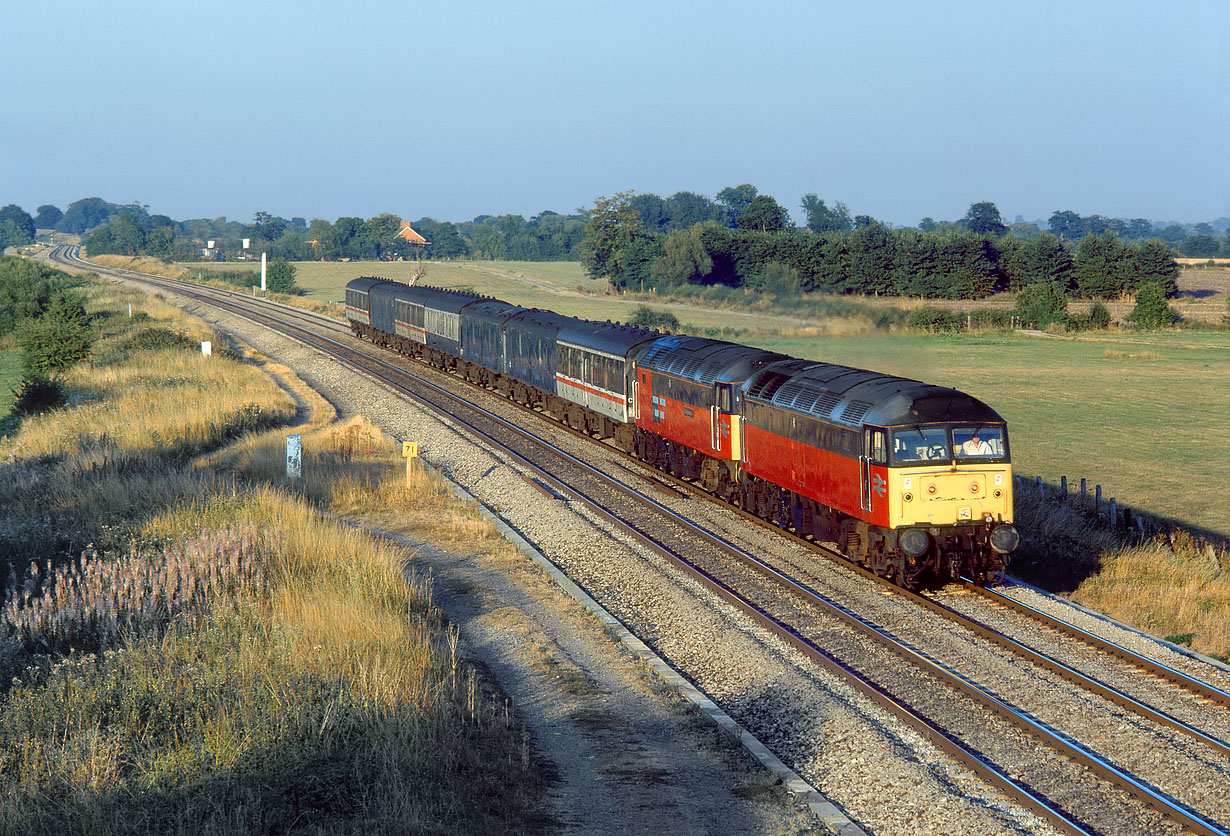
{"type": "Point", "coordinates": [800, 619]}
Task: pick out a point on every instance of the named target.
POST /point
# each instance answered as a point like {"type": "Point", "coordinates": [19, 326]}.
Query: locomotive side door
{"type": "Point", "coordinates": [875, 450]}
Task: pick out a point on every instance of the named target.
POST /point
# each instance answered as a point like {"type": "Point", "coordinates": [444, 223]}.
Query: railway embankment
{"type": "Point", "coordinates": [191, 637]}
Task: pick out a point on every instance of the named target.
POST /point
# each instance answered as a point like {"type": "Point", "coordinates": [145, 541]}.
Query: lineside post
{"type": "Point", "coordinates": [409, 451]}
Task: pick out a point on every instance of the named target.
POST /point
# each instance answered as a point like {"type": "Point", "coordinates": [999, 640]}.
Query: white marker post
{"type": "Point", "coordinates": [262, 274]}
{"type": "Point", "coordinates": [207, 349]}
{"type": "Point", "coordinates": [294, 456]}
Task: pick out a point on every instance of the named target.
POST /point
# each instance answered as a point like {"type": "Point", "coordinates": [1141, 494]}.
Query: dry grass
{"type": "Point", "coordinates": [1168, 582]}
{"type": "Point", "coordinates": [224, 658]}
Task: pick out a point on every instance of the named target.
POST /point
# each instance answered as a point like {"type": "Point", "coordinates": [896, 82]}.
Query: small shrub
{"type": "Point", "coordinates": [59, 338]}
{"type": "Point", "coordinates": [1184, 639]}
{"type": "Point", "coordinates": [1151, 311]}
{"type": "Point", "coordinates": [935, 320]}
{"type": "Point", "coordinates": [991, 318]}
{"type": "Point", "coordinates": [157, 339]}
{"type": "Point", "coordinates": [647, 317]}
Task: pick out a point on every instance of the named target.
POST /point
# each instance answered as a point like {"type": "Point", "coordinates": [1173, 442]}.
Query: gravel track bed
{"type": "Point", "coordinates": [853, 752]}
{"type": "Point", "coordinates": [856, 754]}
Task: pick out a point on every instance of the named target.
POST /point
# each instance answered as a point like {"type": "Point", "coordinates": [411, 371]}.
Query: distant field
{"type": "Point", "coordinates": [1142, 415]}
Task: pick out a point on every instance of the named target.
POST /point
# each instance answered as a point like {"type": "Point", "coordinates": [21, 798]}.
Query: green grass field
{"type": "Point", "coordinates": [10, 377]}
{"type": "Point", "coordinates": [1142, 415]}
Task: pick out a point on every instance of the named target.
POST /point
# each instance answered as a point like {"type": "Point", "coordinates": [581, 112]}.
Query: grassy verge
{"type": "Point", "coordinates": [11, 372]}
{"type": "Point", "coordinates": [197, 647]}
{"type": "Point", "coordinates": [1171, 584]}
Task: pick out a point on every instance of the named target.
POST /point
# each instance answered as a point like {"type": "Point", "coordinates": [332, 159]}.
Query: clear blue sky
{"type": "Point", "coordinates": [452, 109]}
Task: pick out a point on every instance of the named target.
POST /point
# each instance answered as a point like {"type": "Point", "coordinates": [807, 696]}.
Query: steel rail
{"type": "Point", "coordinates": [1135, 787]}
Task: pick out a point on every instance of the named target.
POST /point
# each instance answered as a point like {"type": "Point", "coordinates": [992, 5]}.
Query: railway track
{"type": "Point", "coordinates": [792, 613]}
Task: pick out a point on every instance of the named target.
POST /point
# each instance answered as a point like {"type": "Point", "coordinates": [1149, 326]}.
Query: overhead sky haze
{"type": "Point", "coordinates": [451, 110]}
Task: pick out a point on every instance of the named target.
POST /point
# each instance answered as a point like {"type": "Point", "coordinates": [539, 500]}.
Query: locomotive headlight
{"type": "Point", "coordinates": [914, 541]}
{"type": "Point", "coordinates": [1004, 538]}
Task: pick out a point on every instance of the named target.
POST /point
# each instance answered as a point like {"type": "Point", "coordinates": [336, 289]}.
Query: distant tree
{"type": "Point", "coordinates": [927, 224]}
{"type": "Point", "coordinates": [1171, 233]}
{"type": "Point", "coordinates": [983, 219]}
{"type": "Point", "coordinates": [612, 227]}
{"type": "Point", "coordinates": [1139, 228]}
{"type": "Point", "coordinates": [1154, 263]}
{"type": "Point", "coordinates": [86, 214]}
{"type": "Point", "coordinates": [820, 218]}
{"type": "Point", "coordinates": [687, 209]}
{"type": "Point", "coordinates": [652, 211]}
{"type": "Point", "coordinates": [266, 227]}
{"type": "Point", "coordinates": [1101, 266]}
{"type": "Point", "coordinates": [864, 221]}
{"type": "Point", "coordinates": [966, 266]}
{"type": "Point", "coordinates": [765, 214]}
{"type": "Point", "coordinates": [684, 258]}
{"type": "Point", "coordinates": [1042, 259]}
{"type": "Point", "coordinates": [737, 198]}
{"type": "Point", "coordinates": [871, 260]}
{"type": "Point", "coordinates": [1042, 305]}
{"type": "Point", "coordinates": [1067, 225]}
{"type": "Point", "coordinates": [47, 217]}
{"type": "Point", "coordinates": [1200, 246]}
{"type": "Point", "coordinates": [1203, 228]}
{"type": "Point", "coordinates": [16, 227]}
{"type": "Point", "coordinates": [1023, 231]}
{"type": "Point", "coordinates": [1151, 311]}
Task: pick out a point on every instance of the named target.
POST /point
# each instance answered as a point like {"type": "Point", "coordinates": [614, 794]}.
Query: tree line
{"type": "Point", "coordinates": [970, 261]}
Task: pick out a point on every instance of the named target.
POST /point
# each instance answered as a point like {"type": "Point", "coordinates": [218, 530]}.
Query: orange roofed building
{"type": "Point", "coordinates": [407, 233]}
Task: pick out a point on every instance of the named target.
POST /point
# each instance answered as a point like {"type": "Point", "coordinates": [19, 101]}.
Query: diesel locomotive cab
{"type": "Point", "coordinates": [951, 495]}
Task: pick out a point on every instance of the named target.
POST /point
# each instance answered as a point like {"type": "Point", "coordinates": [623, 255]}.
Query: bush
{"type": "Point", "coordinates": [646, 317]}
{"type": "Point", "coordinates": [59, 338]}
{"type": "Point", "coordinates": [991, 318]}
{"type": "Point", "coordinates": [935, 320]}
{"type": "Point", "coordinates": [1151, 311]}
{"type": "Point", "coordinates": [156, 339]}
{"type": "Point", "coordinates": [1097, 319]}
{"type": "Point", "coordinates": [38, 394]}
{"type": "Point", "coordinates": [1042, 304]}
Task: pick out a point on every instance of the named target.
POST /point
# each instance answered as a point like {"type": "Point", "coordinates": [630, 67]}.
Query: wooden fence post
{"type": "Point", "coordinates": [1063, 484]}
{"type": "Point", "coordinates": [1083, 487]}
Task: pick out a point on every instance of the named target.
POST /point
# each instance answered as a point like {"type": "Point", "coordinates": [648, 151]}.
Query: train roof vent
{"type": "Point", "coordinates": [766, 385]}
{"type": "Point", "coordinates": [790, 392]}
{"type": "Point", "coordinates": [826, 403]}
{"type": "Point", "coordinates": [854, 411]}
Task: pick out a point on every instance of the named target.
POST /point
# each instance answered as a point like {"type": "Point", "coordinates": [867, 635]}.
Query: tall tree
{"type": "Point", "coordinates": [1066, 225]}
{"type": "Point", "coordinates": [983, 218]}
{"type": "Point", "coordinates": [764, 214]}
{"type": "Point", "coordinates": [612, 227]}
{"type": "Point", "coordinates": [821, 218]}
{"type": "Point", "coordinates": [16, 227]}
{"type": "Point", "coordinates": [1154, 264]}
{"type": "Point", "coordinates": [737, 198]}
{"type": "Point", "coordinates": [47, 217]}
{"type": "Point", "coordinates": [1101, 266]}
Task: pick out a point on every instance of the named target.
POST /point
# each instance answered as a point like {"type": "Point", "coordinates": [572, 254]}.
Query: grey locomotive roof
{"type": "Point", "coordinates": [608, 337]}
{"type": "Point", "coordinates": [703, 360]}
{"type": "Point", "coordinates": [363, 283]}
{"type": "Point", "coordinates": [853, 397]}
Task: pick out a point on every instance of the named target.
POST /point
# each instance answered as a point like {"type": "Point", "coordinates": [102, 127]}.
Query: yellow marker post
{"type": "Point", "coordinates": [409, 451]}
